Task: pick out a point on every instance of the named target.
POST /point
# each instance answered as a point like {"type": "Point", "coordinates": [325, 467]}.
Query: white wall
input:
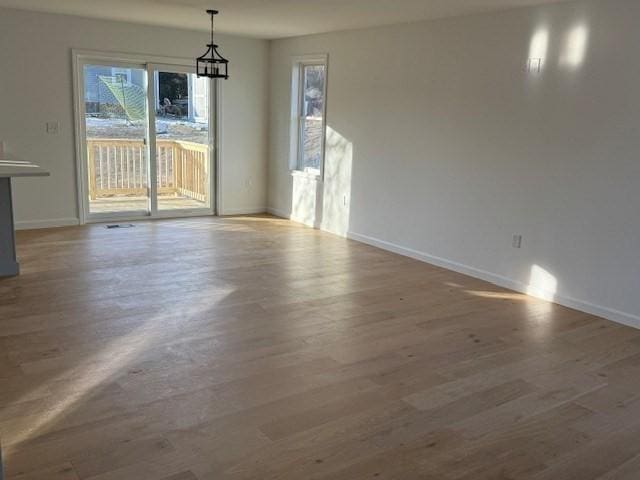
{"type": "Point", "coordinates": [36, 87]}
{"type": "Point", "coordinates": [443, 147]}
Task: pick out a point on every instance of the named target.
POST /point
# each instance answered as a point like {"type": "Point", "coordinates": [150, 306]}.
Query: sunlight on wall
{"type": "Point", "coordinates": [539, 45]}
{"type": "Point", "coordinates": [575, 47]}
{"type": "Point", "coordinates": [306, 200]}
{"type": "Point", "coordinates": [542, 284]}
{"type": "Point", "coordinates": [337, 183]}
{"type": "Point", "coordinates": [326, 203]}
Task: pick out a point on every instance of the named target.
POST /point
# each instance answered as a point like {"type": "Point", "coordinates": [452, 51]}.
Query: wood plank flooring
{"type": "Point", "coordinates": [254, 348]}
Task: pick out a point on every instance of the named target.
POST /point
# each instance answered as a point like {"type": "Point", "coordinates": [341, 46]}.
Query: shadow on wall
{"type": "Point", "coordinates": [326, 204]}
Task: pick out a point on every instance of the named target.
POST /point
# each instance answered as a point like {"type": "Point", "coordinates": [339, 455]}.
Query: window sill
{"type": "Point", "coordinates": [308, 175]}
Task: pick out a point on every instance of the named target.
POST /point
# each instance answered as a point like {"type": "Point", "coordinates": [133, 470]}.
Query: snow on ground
{"type": "Point", "coordinates": [169, 128]}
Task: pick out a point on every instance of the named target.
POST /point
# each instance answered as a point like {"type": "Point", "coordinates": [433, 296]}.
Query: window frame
{"type": "Point", "coordinates": [297, 114]}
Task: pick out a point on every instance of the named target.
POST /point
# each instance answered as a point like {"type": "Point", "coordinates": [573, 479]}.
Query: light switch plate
{"type": "Point", "coordinates": [53, 128]}
{"type": "Point", "coordinates": [517, 241]}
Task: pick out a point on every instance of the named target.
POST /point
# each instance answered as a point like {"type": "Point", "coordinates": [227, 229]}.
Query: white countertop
{"type": "Point", "coordinates": [11, 167]}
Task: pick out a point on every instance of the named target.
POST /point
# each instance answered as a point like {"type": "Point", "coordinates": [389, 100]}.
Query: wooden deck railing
{"type": "Point", "coordinates": [119, 167]}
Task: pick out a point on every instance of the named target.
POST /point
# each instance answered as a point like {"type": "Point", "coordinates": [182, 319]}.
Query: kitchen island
{"type": "Point", "coordinates": [9, 169]}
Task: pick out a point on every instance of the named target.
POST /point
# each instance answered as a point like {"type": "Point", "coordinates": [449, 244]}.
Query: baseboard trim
{"type": "Point", "coordinates": [51, 223]}
{"type": "Point", "coordinates": [499, 280]}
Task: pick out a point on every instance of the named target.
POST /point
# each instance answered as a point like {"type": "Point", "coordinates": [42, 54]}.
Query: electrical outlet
{"type": "Point", "coordinates": [517, 241]}
{"type": "Point", "coordinates": [53, 128]}
{"type": "Point", "coordinates": [534, 65]}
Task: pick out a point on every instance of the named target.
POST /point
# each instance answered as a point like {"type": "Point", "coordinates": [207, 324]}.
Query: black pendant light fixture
{"type": "Point", "coordinates": [212, 64]}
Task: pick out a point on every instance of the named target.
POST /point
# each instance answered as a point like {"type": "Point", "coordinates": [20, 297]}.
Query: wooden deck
{"type": "Point", "coordinates": [254, 348]}
{"type": "Point", "coordinates": [128, 204]}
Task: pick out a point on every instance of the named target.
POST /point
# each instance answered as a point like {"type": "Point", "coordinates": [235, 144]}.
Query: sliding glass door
{"type": "Point", "coordinates": [145, 140]}
{"type": "Point", "coordinates": [116, 122]}
{"type": "Point", "coordinates": [183, 140]}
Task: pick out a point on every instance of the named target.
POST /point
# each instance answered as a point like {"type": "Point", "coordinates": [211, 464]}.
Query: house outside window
{"type": "Point", "coordinates": [121, 75]}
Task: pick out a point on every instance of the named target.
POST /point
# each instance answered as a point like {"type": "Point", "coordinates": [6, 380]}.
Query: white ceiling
{"type": "Point", "coordinates": [270, 18]}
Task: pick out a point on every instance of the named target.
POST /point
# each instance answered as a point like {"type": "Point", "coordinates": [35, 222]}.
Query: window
{"type": "Point", "coordinates": [309, 102]}
{"type": "Point", "coordinates": [121, 75]}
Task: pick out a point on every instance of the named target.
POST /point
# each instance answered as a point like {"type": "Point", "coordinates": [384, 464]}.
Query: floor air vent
{"type": "Point", "coordinates": [121, 225]}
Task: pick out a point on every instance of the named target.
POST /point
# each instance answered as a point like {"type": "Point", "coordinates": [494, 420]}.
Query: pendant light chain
{"type": "Point", "coordinates": [212, 15]}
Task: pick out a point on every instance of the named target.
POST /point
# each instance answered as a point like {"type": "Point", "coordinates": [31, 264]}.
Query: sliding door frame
{"type": "Point", "coordinates": [81, 139]}
{"type": "Point", "coordinates": [152, 68]}
{"type": "Point", "coordinates": [150, 63]}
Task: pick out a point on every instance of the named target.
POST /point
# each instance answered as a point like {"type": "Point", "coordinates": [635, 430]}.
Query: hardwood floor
{"type": "Point", "coordinates": [254, 348]}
